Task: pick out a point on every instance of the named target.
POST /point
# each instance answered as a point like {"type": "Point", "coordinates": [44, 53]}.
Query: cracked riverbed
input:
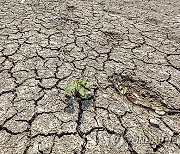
{"type": "Point", "coordinates": [129, 49]}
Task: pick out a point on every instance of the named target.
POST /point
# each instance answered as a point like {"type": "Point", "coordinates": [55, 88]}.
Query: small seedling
{"type": "Point", "coordinates": [78, 87]}
{"type": "Point", "coordinates": [79, 91]}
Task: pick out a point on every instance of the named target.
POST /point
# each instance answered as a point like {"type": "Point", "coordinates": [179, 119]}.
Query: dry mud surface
{"type": "Point", "coordinates": [45, 44]}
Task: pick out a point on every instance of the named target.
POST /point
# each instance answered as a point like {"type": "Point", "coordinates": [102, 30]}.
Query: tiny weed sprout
{"type": "Point", "coordinates": [79, 91]}
{"type": "Point", "coordinates": [78, 87]}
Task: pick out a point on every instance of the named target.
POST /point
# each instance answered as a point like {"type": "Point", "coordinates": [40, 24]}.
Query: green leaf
{"type": "Point", "coordinates": [81, 91]}
{"type": "Point", "coordinates": [165, 109]}
{"type": "Point", "coordinates": [124, 90]}
{"type": "Point", "coordinates": [82, 81]}
{"type": "Point", "coordinates": [160, 111]}
{"type": "Point", "coordinates": [149, 136]}
{"type": "Point", "coordinates": [70, 87]}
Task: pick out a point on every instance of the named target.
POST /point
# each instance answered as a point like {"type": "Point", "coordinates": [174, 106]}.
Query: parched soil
{"type": "Point", "coordinates": [129, 49]}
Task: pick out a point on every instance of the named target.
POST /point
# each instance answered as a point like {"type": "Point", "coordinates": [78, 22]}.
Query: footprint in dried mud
{"type": "Point", "coordinates": [138, 93]}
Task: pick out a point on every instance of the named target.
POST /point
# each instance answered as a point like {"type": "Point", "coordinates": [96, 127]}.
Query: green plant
{"type": "Point", "coordinates": [79, 86]}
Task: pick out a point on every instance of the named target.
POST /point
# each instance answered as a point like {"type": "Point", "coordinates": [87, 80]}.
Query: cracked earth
{"type": "Point", "coordinates": [45, 44]}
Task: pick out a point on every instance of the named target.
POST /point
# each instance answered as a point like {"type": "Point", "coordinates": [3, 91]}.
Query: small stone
{"type": "Point", "coordinates": [154, 121]}
{"type": "Point", "coordinates": [132, 97]}
{"type": "Point", "coordinates": [55, 17]}
{"type": "Point", "coordinates": [22, 1]}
